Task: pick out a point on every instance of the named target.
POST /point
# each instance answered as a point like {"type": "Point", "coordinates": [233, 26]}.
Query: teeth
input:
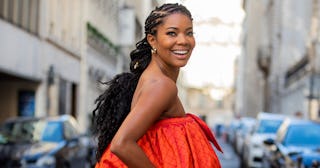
{"type": "Point", "coordinates": [180, 52]}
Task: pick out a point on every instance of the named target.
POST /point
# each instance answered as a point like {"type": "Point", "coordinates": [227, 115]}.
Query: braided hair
{"type": "Point", "coordinates": [114, 104]}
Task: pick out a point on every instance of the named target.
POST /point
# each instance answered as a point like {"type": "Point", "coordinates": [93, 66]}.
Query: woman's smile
{"type": "Point", "coordinates": [181, 54]}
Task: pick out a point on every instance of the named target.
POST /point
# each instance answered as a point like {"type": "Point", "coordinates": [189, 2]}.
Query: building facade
{"type": "Point", "coordinates": [54, 54]}
{"type": "Point", "coordinates": [31, 51]}
{"type": "Point", "coordinates": [285, 53]}
{"type": "Point", "coordinates": [249, 80]}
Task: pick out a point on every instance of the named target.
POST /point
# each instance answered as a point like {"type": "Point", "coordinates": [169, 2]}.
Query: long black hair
{"type": "Point", "coordinates": [114, 104]}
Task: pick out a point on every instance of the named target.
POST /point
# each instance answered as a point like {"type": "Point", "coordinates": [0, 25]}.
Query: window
{"type": "Point", "coordinates": [2, 8]}
{"type": "Point", "coordinates": [63, 96]}
{"type": "Point", "coordinates": [26, 103]}
{"type": "Point", "coordinates": [23, 13]}
{"type": "Point", "coordinates": [33, 16]}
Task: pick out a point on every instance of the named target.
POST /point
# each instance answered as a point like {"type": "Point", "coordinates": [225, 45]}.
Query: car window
{"type": "Point", "coordinates": [268, 126]}
{"type": "Point", "coordinates": [303, 135]}
{"type": "Point", "coordinates": [24, 131]}
{"type": "Point", "coordinates": [53, 132]}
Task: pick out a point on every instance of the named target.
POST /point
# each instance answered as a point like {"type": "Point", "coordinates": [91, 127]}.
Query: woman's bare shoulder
{"type": "Point", "coordinates": [161, 83]}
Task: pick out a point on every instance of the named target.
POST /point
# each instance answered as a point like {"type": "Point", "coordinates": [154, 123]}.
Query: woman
{"type": "Point", "coordinates": [140, 119]}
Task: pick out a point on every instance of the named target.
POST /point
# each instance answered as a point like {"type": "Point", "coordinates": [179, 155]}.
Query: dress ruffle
{"type": "Point", "coordinates": [182, 142]}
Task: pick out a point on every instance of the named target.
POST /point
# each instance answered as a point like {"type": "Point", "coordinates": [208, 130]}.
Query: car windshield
{"type": "Point", "coordinates": [246, 126]}
{"type": "Point", "coordinates": [53, 132]}
{"type": "Point", "coordinates": [269, 126]}
{"type": "Point", "coordinates": [303, 135]}
{"type": "Point", "coordinates": [31, 131]}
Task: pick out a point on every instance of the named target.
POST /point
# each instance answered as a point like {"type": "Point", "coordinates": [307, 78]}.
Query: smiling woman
{"type": "Point", "coordinates": [174, 42]}
{"type": "Point", "coordinates": [140, 119]}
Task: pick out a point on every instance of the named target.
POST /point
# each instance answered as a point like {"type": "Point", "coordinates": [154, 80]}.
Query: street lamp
{"type": "Point", "coordinates": [51, 74]}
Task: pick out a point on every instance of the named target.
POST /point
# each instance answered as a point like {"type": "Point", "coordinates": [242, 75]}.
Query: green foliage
{"type": "Point", "coordinates": [96, 34]}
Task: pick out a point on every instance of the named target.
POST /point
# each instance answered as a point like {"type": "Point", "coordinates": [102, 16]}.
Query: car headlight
{"type": "Point", "coordinates": [46, 161]}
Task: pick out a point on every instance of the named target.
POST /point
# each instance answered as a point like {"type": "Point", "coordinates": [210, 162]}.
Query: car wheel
{"type": "Point", "coordinates": [66, 165]}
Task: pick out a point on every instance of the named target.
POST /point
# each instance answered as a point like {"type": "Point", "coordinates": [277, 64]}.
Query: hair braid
{"type": "Point", "coordinates": [114, 104]}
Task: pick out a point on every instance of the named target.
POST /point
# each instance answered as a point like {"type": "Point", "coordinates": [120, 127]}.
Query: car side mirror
{"type": "Point", "coordinates": [269, 142]}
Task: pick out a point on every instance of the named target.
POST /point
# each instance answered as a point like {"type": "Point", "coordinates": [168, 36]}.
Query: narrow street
{"type": "Point", "coordinates": [228, 159]}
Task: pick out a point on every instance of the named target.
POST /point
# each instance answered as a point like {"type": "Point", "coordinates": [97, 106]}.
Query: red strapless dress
{"type": "Point", "coordinates": [182, 142]}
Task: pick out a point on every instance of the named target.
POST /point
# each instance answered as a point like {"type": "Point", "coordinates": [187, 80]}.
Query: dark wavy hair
{"type": "Point", "coordinates": [114, 104]}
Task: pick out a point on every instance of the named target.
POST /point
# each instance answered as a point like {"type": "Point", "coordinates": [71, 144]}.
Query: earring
{"type": "Point", "coordinates": [135, 66]}
{"type": "Point", "coordinates": [154, 50]}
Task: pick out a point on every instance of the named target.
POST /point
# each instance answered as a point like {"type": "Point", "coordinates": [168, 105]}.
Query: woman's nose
{"type": "Point", "coordinates": [182, 39]}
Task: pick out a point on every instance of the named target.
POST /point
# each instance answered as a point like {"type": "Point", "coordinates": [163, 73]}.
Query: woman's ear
{"type": "Point", "coordinates": [151, 40]}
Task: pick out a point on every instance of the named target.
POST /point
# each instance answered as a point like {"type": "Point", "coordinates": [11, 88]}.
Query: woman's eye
{"type": "Point", "coordinates": [190, 33]}
{"type": "Point", "coordinates": [171, 33]}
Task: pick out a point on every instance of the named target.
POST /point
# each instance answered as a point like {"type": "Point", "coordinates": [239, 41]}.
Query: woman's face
{"type": "Point", "coordinates": [174, 40]}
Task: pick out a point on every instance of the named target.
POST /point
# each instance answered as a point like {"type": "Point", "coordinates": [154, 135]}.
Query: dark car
{"type": "Point", "coordinates": [297, 144]}
{"type": "Point", "coordinates": [47, 142]}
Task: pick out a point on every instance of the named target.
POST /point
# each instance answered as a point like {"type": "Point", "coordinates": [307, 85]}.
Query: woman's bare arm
{"type": "Point", "coordinates": [155, 98]}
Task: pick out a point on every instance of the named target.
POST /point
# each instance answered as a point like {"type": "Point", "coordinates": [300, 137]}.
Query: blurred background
{"type": "Point", "coordinates": [250, 57]}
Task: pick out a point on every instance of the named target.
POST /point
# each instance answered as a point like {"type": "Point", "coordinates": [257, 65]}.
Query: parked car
{"type": "Point", "coordinates": [297, 144]}
{"type": "Point", "coordinates": [231, 132]}
{"type": "Point", "coordinates": [46, 142]}
{"type": "Point", "coordinates": [245, 127]}
{"type": "Point", "coordinates": [265, 128]}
